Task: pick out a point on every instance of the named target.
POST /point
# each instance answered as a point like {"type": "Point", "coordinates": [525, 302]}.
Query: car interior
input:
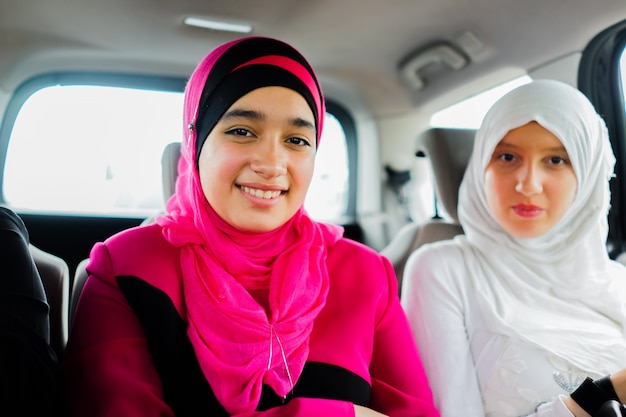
{"type": "Point", "coordinates": [448, 152]}
{"type": "Point", "coordinates": [407, 83]}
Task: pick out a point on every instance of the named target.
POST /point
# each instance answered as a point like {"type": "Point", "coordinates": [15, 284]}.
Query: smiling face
{"type": "Point", "coordinates": [257, 163]}
{"type": "Point", "coordinates": [529, 181]}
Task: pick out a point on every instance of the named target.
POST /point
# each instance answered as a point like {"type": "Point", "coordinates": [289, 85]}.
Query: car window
{"type": "Point", "coordinates": [466, 114]}
{"type": "Point", "coordinates": [469, 113]}
{"type": "Point", "coordinates": [622, 71]}
{"type": "Point", "coordinates": [98, 149]}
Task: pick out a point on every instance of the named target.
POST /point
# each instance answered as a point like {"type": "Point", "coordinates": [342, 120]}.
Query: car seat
{"type": "Point", "coordinates": [55, 277]}
{"type": "Point", "coordinates": [169, 173]}
{"type": "Point", "coordinates": [448, 151]}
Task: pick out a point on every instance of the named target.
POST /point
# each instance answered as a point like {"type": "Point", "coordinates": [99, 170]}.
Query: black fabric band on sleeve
{"type": "Point", "coordinates": [606, 385]}
{"type": "Point", "coordinates": [589, 396]}
{"type": "Point", "coordinates": [611, 408]}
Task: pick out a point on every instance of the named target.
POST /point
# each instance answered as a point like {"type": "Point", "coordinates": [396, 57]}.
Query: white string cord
{"type": "Point", "coordinates": [282, 352]}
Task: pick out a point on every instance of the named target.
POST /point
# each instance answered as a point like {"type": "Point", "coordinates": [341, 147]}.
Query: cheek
{"type": "Point", "coordinates": [304, 171]}
{"type": "Point", "coordinates": [309, 173]}
{"type": "Point", "coordinates": [568, 189]}
{"type": "Point", "coordinates": [208, 182]}
{"type": "Point", "coordinates": [493, 189]}
{"type": "Point", "coordinates": [215, 173]}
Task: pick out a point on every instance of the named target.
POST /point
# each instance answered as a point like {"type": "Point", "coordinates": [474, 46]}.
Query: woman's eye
{"type": "Point", "coordinates": [239, 132]}
{"type": "Point", "coordinates": [557, 160]}
{"type": "Point", "coordinates": [299, 141]}
{"type": "Point", "coordinates": [506, 157]}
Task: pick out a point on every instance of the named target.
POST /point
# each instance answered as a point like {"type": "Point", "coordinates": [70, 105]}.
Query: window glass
{"type": "Point", "coordinates": [328, 194]}
{"type": "Point", "coordinates": [91, 149]}
{"type": "Point", "coordinates": [83, 149]}
{"type": "Point", "coordinates": [469, 114]}
{"type": "Point", "coordinates": [622, 67]}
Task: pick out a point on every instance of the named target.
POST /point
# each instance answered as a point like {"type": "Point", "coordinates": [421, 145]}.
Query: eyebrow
{"type": "Point", "coordinates": [255, 115]}
{"type": "Point", "coordinates": [511, 145]}
{"type": "Point", "coordinates": [248, 114]}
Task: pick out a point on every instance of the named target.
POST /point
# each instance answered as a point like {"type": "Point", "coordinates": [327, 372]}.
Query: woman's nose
{"type": "Point", "coordinates": [529, 180]}
{"type": "Point", "coordinates": [270, 160]}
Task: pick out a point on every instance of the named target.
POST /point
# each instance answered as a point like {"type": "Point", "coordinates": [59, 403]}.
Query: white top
{"type": "Point", "coordinates": [464, 357]}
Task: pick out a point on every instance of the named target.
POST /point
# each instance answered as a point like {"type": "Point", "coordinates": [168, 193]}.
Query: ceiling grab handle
{"type": "Point", "coordinates": [441, 53]}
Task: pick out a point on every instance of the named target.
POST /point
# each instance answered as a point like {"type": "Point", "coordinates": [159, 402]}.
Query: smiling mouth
{"type": "Point", "coordinates": [265, 194]}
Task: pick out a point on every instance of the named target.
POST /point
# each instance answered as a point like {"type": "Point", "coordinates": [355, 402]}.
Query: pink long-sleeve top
{"type": "Point", "coordinates": [129, 354]}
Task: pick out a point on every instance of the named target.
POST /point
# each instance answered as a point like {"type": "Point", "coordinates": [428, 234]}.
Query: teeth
{"type": "Point", "coordinates": [261, 193]}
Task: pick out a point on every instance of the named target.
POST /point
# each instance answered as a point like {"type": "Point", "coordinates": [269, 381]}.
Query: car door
{"type": "Point", "coordinates": [602, 76]}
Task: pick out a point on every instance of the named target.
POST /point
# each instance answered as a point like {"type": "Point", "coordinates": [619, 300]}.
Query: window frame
{"type": "Point", "coordinates": [34, 84]}
{"type": "Point", "coordinates": [349, 131]}
{"type": "Point", "coordinates": [599, 78]}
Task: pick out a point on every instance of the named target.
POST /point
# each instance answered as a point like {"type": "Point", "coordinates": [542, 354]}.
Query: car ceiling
{"type": "Point", "coordinates": [355, 43]}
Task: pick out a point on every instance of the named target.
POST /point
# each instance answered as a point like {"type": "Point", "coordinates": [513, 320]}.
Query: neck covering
{"type": "Point", "coordinates": [558, 291]}
{"type": "Point", "coordinates": [239, 345]}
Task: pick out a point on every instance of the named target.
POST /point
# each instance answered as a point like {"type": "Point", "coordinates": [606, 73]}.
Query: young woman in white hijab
{"type": "Point", "coordinates": [514, 316]}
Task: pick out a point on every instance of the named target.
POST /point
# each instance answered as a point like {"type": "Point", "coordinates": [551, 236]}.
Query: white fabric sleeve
{"type": "Point", "coordinates": [434, 305]}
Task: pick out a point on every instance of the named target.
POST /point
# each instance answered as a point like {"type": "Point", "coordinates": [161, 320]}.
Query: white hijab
{"type": "Point", "coordinates": [559, 291]}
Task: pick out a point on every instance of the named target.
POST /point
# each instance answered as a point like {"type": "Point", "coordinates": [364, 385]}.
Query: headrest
{"type": "Point", "coordinates": [449, 151]}
{"type": "Point", "coordinates": [169, 169]}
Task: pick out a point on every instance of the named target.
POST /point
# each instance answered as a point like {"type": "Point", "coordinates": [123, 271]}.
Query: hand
{"type": "Point", "coordinates": [360, 411]}
{"type": "Point", "coordinates": [618, 379]}
{"type": "Point", "coordinates": [574, 408]}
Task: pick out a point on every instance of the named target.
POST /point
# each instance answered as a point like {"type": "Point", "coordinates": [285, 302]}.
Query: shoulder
{"type": "Point", "coordinates": [130, 239]}
{"type": "Point", "coordinates": [347, 245]}
{"type": "Point", "coordinates": [436, 265]}
{"type": "Point", "coordinates": [353, 254]}
{"type": "Point", "coordinates": [436, 256]}
{"type": "Point", "coordinates": [140, 252]}
{"type": "Point", "coordinates": [436, 281]}
{"type": "Point", "coordinates": [353, 263]}
{"type": "Point", "coordinates": [138, 241]}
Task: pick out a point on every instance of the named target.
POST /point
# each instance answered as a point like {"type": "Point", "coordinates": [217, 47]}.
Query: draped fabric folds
{"type": "Point", "coordinates": [559, 291]}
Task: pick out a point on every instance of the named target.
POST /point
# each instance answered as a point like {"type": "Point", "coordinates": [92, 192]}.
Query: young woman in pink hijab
{"type": "Point", "coordinates": [235, 302]}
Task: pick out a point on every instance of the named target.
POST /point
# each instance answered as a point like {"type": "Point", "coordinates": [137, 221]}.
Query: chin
{"type": "Point", "coordinates": [259, 226]}
{"type": "Point", "coordinates": [527, 234]}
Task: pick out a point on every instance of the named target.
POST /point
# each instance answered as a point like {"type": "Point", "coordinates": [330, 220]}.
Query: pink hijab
{"type": "Point", "coordinates": [239, 346]}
